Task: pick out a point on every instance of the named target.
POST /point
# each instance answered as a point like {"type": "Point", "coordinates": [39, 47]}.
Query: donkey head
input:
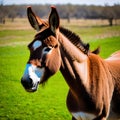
{"type": "Point", "coordinates": [45, 59]}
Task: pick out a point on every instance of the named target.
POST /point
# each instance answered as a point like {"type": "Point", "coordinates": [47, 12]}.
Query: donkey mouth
{"type": "Point", "coordinates": [34, 88]}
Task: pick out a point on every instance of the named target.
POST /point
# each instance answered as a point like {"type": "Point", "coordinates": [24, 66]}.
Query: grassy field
{"type": "Point", "coordinates": [49, 101]}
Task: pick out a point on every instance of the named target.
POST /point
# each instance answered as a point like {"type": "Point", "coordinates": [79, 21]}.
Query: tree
{"type": "Point", "coordinates": [65, 11]}
{"type": "Point", "coordinates": [2, 12]}
{"type": "Point", "coordinates": [108, 13]}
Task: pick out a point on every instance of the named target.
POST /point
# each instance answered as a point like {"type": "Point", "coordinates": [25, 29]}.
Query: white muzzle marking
{"type": "Point", "coordinates": [83, 116]}
{"type": "Point", "coordinates": [34, 74]}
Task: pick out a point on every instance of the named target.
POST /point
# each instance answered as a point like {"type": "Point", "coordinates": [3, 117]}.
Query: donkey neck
{"type": "Point", "coordinates": [74, 64]}
{"type": "Point", "coordinates": [71, 50]}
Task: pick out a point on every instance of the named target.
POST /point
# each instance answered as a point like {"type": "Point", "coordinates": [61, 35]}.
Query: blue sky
{"type": "Point", "coordinates": [87, 2]}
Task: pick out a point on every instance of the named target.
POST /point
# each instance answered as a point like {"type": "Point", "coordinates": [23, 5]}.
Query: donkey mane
{"type": "Point", "coordinates": [75, 39]}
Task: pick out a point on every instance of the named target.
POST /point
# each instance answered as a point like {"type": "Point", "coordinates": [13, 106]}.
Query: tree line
{"type": "Point", "coordinates": [65, 11]}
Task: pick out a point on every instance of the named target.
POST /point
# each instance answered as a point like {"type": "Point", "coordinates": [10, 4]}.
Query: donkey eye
{"type": "Point", "coordinates": [47, 49]}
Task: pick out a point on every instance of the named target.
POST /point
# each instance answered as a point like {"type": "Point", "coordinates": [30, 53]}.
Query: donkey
{"type": "Point", "coordinates": [94, 83]}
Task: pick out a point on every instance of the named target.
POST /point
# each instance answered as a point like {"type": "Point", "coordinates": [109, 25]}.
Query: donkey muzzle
{"type": "Point", "coordinates": [31, 78]}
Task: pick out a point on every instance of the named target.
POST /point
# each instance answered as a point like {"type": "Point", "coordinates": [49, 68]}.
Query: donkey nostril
{"type": "Point", "coordinates": [27, 83]}
{"type": "Point", "coordinates": [30, 80]}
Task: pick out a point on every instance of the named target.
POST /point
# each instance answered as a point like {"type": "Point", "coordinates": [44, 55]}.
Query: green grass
{"type": "Point", "coordinates": [49, 102]}
{"type": "Point", "coordinates": [89, 34]}
{"type": "Point", "coordinates": [16, 103]}
{"type": "Point", "coordinates": [8, 37]}
{"type": "Point", "coordinates": [107, 45]}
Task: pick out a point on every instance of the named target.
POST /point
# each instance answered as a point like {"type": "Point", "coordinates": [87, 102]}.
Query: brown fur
{"type": "Point", "coordinates": [94, 82]}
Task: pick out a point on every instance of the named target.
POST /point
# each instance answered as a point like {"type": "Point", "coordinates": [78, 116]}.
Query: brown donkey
{"type": "Point", "coordinates": [94, 83]}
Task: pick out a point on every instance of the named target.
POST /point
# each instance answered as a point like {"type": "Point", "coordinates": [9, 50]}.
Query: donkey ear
{"type": "Point", "coordinates": [54, 20]}
{"type": "Point", "coordinates": [34, 20]}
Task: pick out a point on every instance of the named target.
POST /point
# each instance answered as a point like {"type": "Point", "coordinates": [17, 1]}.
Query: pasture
{"type": "Point", "coordinates": [49, 102]}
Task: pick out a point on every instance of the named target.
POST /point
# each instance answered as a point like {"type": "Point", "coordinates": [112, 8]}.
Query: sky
{"type": "Point", "coordinates": [81, 2]}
